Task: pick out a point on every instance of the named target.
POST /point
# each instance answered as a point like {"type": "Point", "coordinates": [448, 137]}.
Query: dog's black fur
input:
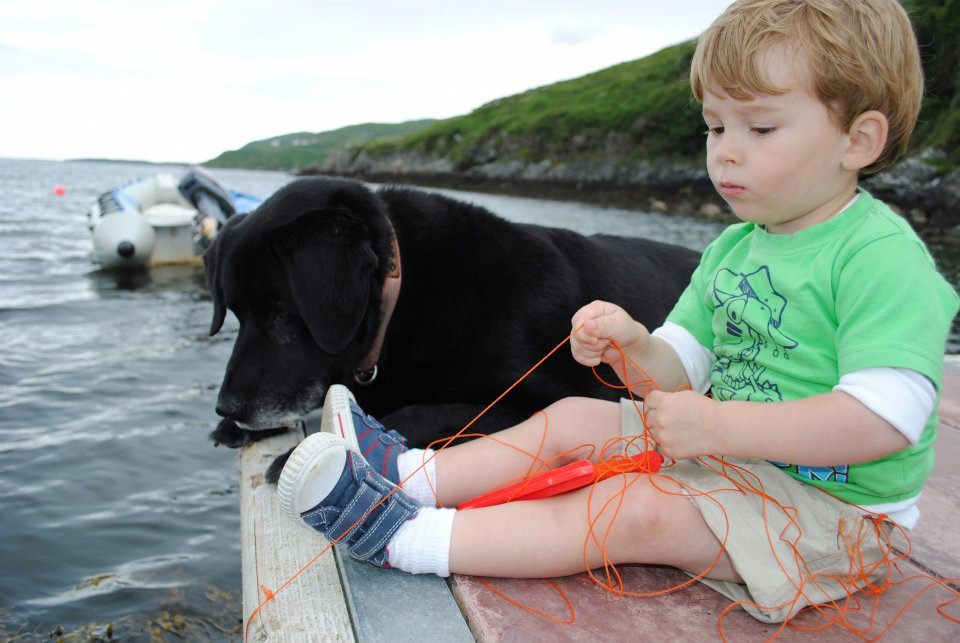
{"type": "Point", "coordinates": [482, 300]}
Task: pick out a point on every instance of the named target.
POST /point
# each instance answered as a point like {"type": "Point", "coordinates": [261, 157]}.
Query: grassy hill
{"type": "Point", "coordinates": [643, 109]}
{"type": "Point", "coordinates": [301, 149]}
{"type": "Point", "coordinates": [635, 111]}
{"type": "Point", "coordinates": [646, 101]}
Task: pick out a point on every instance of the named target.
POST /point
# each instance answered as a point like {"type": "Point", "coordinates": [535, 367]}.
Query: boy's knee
{"type": "Point", "coordinates": [580, 421]}
{"type": "Point", "coordinates": [644, 521]}
{"type": "Point", "coordinates": [644, 511]}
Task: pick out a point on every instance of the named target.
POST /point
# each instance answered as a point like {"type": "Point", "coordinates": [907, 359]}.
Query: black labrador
{"type": "Point", "coordinates": [313, 274]}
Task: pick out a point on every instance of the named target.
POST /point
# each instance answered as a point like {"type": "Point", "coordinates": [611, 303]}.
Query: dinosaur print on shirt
{"type": "Point", "coordinates": [754, 313]}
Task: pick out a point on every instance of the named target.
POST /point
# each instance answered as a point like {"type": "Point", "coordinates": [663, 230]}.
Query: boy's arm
{"type": "Point", "coordinates": [822, 430]}
{"type": "Point", "coordinates": [661, 368]}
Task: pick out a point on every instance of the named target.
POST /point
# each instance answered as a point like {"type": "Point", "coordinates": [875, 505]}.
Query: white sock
{"type": "Point", "coordinates": [420, 480]}
{"type": "Point", "coordinates": [422, 545]}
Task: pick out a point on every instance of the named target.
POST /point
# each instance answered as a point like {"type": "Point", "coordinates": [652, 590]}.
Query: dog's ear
{"type": "Point", "coordinates": [330, 270]}
{"type": "Point", "coordinates": [211, 266]}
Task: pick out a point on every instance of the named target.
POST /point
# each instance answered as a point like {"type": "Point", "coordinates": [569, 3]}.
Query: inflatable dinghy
{"type": "Point", "coordinates": [161, 220]}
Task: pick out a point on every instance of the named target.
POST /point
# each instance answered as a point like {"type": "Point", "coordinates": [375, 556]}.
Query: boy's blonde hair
{"type": "Point", "coordinates": [863, 56]}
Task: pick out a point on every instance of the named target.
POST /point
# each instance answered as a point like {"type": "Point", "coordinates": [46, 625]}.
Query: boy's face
{"type": "Point", "coordinates": [777, 159]}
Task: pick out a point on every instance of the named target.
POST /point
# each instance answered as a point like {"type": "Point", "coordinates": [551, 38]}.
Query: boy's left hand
{"type": "Point", "coordinates": [682, 423]}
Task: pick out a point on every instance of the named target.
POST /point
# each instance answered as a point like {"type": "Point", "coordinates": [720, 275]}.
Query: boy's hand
{"type": "Point", "coordinates": [681, 423]}
{"type": "Point", "coordinates": [604, 323]}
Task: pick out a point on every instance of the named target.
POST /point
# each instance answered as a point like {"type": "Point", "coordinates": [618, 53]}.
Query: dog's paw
{"type": "Point", "coordinates": [273, 471]}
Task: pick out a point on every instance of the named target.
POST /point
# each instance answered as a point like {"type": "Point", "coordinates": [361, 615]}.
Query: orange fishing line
{"type": "Point", "coordinates": [272, 596]}
{"type": "Point", "coordinates": [527, 608]}
{"type": "Point", "coordinates": [836, 613]}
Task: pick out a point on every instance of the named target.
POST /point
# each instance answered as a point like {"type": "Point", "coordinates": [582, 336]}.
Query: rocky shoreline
{"type": "Point", "coordinates": [914, 188]}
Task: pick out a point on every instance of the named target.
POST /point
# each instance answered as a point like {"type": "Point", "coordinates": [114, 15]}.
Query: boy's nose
{"type": "Point", "coordinates": [725, 150]}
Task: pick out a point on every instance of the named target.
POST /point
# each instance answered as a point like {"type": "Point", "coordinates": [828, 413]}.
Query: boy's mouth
{"type": "Point", "coordinates": [731, 189]}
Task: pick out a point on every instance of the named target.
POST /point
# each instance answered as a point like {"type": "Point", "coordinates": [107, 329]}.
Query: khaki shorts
{"type": "Point", "coordinates": [820, 559]}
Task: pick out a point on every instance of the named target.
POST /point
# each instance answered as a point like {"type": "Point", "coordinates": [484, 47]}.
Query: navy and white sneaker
{"type": "Point", "coordinates": [363, 433]}
{"type": "Point", "coordinates": [335, 491]}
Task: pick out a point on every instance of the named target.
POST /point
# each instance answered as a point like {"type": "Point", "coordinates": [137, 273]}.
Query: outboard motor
{"type": "Point", "coordinates": [206, 195]}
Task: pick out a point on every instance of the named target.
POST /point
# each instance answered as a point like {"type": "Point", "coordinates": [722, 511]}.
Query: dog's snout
{"type": "Point", "coordinates": [230, 407]}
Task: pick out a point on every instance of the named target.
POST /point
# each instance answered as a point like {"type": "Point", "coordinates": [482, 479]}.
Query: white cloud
{"type": "Point", "coordinates": [182, 80]}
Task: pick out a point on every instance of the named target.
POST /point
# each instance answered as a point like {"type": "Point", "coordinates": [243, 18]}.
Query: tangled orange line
{"type": "Point", "coordinates": [835, 613]}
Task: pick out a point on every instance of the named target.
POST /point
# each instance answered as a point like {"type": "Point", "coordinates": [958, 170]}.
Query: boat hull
{"type": "Point", "coordinates": [149, 222]}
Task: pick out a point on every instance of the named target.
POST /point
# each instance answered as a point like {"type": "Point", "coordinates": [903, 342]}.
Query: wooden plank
{"type": "Point", "coordinates": [935, 542]}
{"type": "Point", "coordinates": [950, 392]}
{"type": "Point", "coordinates": [690, 614]}
{"type": "Point", "coordinates": [390, 606]}
{"type": "Point", "coordinates": [312, 607]}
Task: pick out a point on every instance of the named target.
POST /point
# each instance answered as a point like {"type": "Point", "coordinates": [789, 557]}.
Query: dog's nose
{"type": "Point", "coordinates": [230, 407]}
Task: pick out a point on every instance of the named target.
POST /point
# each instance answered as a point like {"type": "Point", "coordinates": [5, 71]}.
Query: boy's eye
{"type": "Point", "coordinates": [715, 131]}
{"type": "Point", "coordinates": [762, 131]}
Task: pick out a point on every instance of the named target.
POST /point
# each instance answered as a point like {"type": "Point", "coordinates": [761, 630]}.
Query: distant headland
{"type": "Point", "coordinates": [629, 135]}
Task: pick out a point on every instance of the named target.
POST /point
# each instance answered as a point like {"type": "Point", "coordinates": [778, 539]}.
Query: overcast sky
{"type": "Point", "coordinates": [182, 80]}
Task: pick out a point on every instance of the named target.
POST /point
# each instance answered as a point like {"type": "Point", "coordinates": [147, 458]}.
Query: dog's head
{"type": "Point", "coordinates": [303, 275]}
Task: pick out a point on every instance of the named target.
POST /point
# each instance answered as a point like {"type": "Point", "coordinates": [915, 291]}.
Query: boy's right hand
{"type": "Point", "coordinates": [597, 325]}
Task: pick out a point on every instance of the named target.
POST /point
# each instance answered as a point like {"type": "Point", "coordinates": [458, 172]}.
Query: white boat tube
{"type": "Point", "coordinates": [161, 219]}
{"type": "Point", "coordinates": [143, 222]}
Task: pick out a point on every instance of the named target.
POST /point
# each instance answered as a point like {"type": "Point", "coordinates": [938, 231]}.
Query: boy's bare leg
{"type": "Point", "coordinates": [545, 538]}
{"type": "Point", "coordinates": [466, 470]}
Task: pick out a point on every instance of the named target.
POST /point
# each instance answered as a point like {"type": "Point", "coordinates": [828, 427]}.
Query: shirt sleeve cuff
{"type": "Point", "coordinates": [696, 359]}
{"type": "Point", "coordinates": [907, 410]}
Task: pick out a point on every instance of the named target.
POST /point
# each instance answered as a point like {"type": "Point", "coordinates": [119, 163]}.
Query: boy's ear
{"type": "Point", "coordinates": [868, 137]}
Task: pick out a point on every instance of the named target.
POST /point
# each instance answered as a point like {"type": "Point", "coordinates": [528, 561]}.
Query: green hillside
{"type": "Point", "coordinates": [302, 149]}
{"type": "Point", "coordinates": [642, 109]}
{"type": "Point", "coordinates": [647, 104]}
{"type": "Point", "coordinates": [648, 100]}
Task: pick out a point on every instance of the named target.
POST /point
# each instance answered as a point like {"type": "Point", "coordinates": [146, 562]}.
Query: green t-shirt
{"type": "Point", "coordinates": [787, 315]}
